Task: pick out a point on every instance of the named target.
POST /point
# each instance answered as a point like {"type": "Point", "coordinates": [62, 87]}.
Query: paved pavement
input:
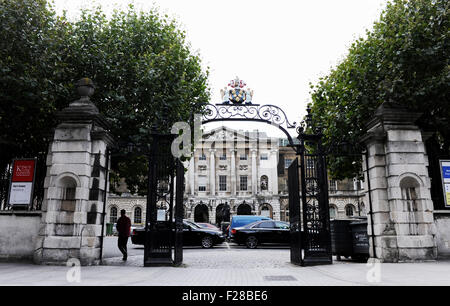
{"type": "Point", "coordinates": [226, 265]}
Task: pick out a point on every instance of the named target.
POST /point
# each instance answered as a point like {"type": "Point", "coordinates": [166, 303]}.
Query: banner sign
{"type": "Point", "coordinates": [22, 181]}
{"type": "Point", "coordinates": [445, 176]}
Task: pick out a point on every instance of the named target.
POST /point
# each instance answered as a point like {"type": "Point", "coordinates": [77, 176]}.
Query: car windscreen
{"type": "Point", "coordinates": [251, 224]}
{"type": "Point", "coordinates": [194, 225]}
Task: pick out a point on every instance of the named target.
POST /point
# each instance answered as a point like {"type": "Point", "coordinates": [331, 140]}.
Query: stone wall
{"type": "Point", "coordinates": [442, 222]}
{"type": "Point", "coordinates": [18, 233]}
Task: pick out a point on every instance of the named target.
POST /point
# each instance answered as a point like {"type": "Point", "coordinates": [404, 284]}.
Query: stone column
{"type": "Point", "coordinates": [212, 172]}
{"type": "Point", "coordinates": [273, 180]}
{"type": "Point", "coordinates": [254, 173]}
{"type": "Point", "coordinates": [191, 171]}
{"type": "Point", "coordinates": [233, 171]}
{"type": "Point", "coordinates": [402, 209]}
{"type": "Point", "coordinates": [71, 221]}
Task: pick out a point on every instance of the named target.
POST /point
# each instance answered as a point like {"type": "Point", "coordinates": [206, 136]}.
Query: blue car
{"type": "Point", "coordinates": [242, 220]}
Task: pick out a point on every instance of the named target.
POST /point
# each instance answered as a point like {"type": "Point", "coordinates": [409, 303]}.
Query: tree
{"type": "Point", "coordinates": [144, 71]}
{"type": "Point", "coordinates": [404, 59]}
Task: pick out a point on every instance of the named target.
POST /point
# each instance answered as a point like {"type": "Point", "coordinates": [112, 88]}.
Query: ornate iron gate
{"type": "Point", "coordinates": [316, 242]}
{"type": "Point", "coordinates": [294, 214]}
{"type": "Point", "coordinates": [179, 213]}
{"type": "Point", "coordinates": [163, 229]}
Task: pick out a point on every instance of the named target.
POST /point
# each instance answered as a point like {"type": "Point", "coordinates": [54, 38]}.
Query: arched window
{"type": "Point", "coordinates": [113, 214]}
{"type": "Point", "coordinates": [333, 211]}
{"type": "Point", "coordinates": [138, 215]}
{"type": "Point", "coordinates": [410, 187]}
{"type": "Point", "coordinates": [264, 182]}
{"type": "Point", "coordinates": [349, 210]}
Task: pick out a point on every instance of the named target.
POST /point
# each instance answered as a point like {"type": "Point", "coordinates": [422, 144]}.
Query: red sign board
{"type": "Point", "coordinates": [23, 170]}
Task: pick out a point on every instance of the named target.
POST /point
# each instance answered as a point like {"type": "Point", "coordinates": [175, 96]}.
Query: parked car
{"type": "Point", "coordinates": [208, 225]}
{"type": "Point", "coordinates": [242, 220]}
{"type": "Point", "coordinates": [193, 234]}
{"type": "Point", "coordinates": [266, 231]}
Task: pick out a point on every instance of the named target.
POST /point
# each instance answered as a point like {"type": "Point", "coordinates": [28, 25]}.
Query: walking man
{"type": "Point", "coordinates": [123, 227]}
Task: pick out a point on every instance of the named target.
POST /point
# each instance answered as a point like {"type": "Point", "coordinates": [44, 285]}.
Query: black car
{"type": "Point", "coordinates": [266, 231]}
{"type": "Point", "coordinates": [192, 235]}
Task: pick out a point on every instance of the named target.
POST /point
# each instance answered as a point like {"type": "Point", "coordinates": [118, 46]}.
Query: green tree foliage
{"type": "Point", "coordinates": [144, 71]}
{"type": "Point", "coordinates": [404, 59]}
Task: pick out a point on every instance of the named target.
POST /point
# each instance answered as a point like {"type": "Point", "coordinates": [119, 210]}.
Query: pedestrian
{"type": "Point", "coordinates": [123, 227]}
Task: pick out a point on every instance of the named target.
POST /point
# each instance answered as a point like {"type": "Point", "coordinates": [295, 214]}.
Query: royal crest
{"type": "Point", "coordinates": [236, 93]}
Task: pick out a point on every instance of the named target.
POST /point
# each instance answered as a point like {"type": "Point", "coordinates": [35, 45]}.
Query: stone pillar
{"type": "Point", "coordinates": [233, 172]}
{"type": "Point", "coordinates": [191, 171]}
{"type": "Point", "coordinates": [212, 172]}
{"type": "Point", "coordinates": [254, 173]}
{"type": "Point", "coordinates": [402, 209]}
{"type": "Point", "coordinates": [71, 220]}
{"type": "Point", "coordinates": [273, 180]}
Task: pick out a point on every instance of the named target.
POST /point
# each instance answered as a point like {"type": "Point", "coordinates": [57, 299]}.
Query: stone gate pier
{"type": "Point", "coordinates": [75, 184]}
{"type": "Point", "coordinates": [402, 209]}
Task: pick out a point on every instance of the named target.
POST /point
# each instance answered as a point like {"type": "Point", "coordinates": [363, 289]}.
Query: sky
{"type": "Point", "coordinates": [276, 47]}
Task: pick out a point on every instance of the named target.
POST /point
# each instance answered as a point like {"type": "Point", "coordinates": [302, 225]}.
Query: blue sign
{"type": "Point", "coordinates": [446, 172]}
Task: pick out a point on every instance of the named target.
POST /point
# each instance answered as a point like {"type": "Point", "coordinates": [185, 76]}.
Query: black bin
{"type": "Point", "coordinates": [341, 238]}
{"type": "Point", "coordinates": [360, 239]}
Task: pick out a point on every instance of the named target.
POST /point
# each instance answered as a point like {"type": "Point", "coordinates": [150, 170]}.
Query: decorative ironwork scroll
{"type": "Point", "coordinates": [268, 113]}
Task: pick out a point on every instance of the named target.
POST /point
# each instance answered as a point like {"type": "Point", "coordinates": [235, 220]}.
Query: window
{"type": "Point", "coordinates": [222, 183]}
{"type": "Point", "coordinates": [202, 183]}
{"type": "Point", "coordinates": [281, 225]}
{"type": "Point", "coordinates": [333, 212]}
{"type": "Point", "coordinates": [267, 224]}
{"type": "Point", "coordinates": [309, 163]}
{"type": "Point", "coordinates": [410, 187]}
{"type": "Point", "coordinates": [349, 210]}
{"type": "Point", "coordinates": [138, 215]}
{"type": "Point", "coordinates": [223, 156]}
{"type": "Point", "coordinates": [113, 215]}
{"type": "Point", "coordinates": [243, 157]}
{"type": "Point", "coordinates": [202, 157]}
{"type": "Point", "coordinates": [243, 183]}
{"type": "Point", "coordinates": [264, 182]}
{"type": "Point", "coordinates": [264, 156]}
{"type": "Point", "coordinates": [287, 163]}
{"type": "Point", "coordinates": [332, 185]}
{"type": "Point", "coordinates": [69, 193]}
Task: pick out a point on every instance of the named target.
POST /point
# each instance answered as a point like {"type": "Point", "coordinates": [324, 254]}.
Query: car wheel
{"type": "Point", "coordinates": [252, 242]}
{"type": "Point", "coordinates": [207, 242]}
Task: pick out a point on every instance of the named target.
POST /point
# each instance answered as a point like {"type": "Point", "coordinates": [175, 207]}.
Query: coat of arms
{"type": "Point", "coordinates": [236, 93]}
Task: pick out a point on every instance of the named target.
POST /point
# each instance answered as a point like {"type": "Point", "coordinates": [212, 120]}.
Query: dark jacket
{"type": "Point", "coordinates": [123, 226]}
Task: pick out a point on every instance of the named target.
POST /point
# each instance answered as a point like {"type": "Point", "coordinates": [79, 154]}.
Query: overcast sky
{"type": "Point", "coordinates": [276, 47]}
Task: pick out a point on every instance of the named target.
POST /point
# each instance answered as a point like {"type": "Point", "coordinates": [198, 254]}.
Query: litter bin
{"type": "Point", "coordinates": [109, 229]}
{"type": "Point", "coordinates": [360, 240]}
{"type": "Point", "coordinates": [341, 238]}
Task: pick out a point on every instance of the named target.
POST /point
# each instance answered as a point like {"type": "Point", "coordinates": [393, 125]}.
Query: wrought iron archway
{"type": "Point", "coordinates": [310, 226]}
{"type": "Point", "coordinates": [269, 114]}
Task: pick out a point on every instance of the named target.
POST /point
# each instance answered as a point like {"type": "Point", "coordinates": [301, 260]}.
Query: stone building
{"type": "Point", "coordinates": [232, 171]}
{"type": "Point", "coordinates": [346, 197]}
{"type": "Point", "coordinates": [256, 184]}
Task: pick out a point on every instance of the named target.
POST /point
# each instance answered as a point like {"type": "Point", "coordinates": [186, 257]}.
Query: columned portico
{"type": "Point", "coordinates": [192, 174]}
{"type": "Point", "coordinates": [233, 171]}
{"type": "Point", "coordinates": [212, 173]}
{"type": "Point", "coordinates": [254, 173]}
{"type": "Point", "coordinates": [236, 161]}
{"type": "Point", "coordinates": [274, 183]}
